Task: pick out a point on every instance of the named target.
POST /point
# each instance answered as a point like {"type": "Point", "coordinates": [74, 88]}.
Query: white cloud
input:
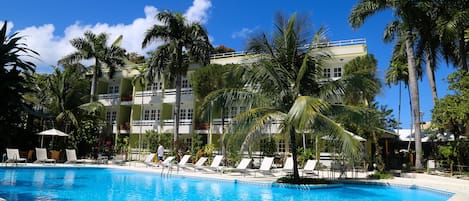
{"type": "Point", "coordinates": [52, 47]}
{"type": "Point", "coordinates": [198, 11]}
{"type": "Point", "coordinates": [243, 33]}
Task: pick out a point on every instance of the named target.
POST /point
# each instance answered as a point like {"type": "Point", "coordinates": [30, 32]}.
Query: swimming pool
{"type": "Point", "coordinates": [78, 184]}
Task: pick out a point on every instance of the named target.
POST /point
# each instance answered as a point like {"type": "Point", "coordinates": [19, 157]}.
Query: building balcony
{"type": "Point", "coordinates": [167, 126]}
{"type": "Point", "coordinates": [156, 97]}
{"type": "Point", "coordinates": [109, 99]}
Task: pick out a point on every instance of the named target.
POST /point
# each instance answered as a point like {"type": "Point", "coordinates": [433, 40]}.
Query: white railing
{"type": "Point", "coordinates": [108, 96]}
{"type": "Point", "coordinates": [339, 43]}
{"type": "Point", "coordinates": [170, 122]}
{"type": "Point", "coordinates": [184, 91]}
{"type": "Point", "coordinates": [228, 55]}
{"type": "Point", "coordinates": [144, 123]}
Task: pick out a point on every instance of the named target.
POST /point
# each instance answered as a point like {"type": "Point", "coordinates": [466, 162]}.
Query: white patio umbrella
{"type": "Point", "coordinates": [51, 132]}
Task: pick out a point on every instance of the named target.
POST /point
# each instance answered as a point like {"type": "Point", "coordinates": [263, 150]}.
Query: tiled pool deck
{"type": "Point", "coordinates": [459, 187]}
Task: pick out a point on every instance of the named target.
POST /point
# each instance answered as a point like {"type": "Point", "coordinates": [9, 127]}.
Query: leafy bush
{"type": "Point", "coordinates": [378, 175]}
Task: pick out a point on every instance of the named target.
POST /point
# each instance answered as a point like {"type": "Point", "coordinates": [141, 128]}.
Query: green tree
{"type": "Point", "coordinates": [210, 78]}
{"type": "Point", "coordinates": [15, 73]}
{"type": "Point", "coordinates": [140, 79]}
{"type": "Point", "coordinates": [286, 85]}
{"type": "Point", "coordinates": [451, 26]}
{"type": "Point", "coordinates": [362, 83]}
{"type": "Point", "coordinates": [408, 15]}
{"type": "Point", "coordinates": [183, 42]}
{"type": "Point", "coordinates": [451, 113]}
{"type": "Point", "coordinates": [93, 46]}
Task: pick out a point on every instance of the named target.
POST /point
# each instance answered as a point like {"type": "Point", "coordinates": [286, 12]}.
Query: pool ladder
{"type": "Point", "coordinates": [169, 170]}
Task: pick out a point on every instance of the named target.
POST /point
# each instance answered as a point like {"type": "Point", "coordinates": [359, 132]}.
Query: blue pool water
{"type": "Point", "coordinates": [79, 184]}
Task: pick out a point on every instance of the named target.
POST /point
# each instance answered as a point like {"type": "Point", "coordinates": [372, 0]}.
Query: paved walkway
{"type": "Point", "coordinates": [459, 187]}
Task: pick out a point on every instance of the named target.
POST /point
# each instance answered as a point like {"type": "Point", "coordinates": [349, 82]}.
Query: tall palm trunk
{"type": "Point", "coordinates": [177, 108]}
{"type": "Point", "coordinates": [413, 85]}
{"type": "Point", "coordinates": [179, 61]}
{"type": "Point", "coordinates": [94, 82]}
{"type": "Point", "coordinates": [462, 52]}
{"type": "Point", "coordinates": [296, 175]}
{"type": "Point", "coordinates": [430, 67]}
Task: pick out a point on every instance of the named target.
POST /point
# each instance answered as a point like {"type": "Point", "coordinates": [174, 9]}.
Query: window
{"type": "Point", "coordinates": [327, 72]}
{"type": "Point", "coordinates": [185, 84]}
{"type": "Point", "coordinates": [151, 114]}
{"type": "Point", "coordinates": [160, 85]}
{"type": "Point", "coordinates": [113, 89]}
{"type": "Point", "coordinates": [233, 111]}
{"type": "Point", "coordinates": [189, 113]}
{"type": "Point", "coordinates": [111, 116]}
{"type": "Point", "coordinates": [281, 146]}
{"type": "Point", "coordinates": [152, 87]}
{"type": "Point", "coordinates": [182, 114]}
{"type": "Point", "coordinates": [338, 72]}
{"type": "Point", "coordinates": [146, 115]}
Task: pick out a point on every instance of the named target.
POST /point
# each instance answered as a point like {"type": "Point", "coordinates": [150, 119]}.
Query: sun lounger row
{"type": "Point", "coordinates": [13, 156]}
{"type": "Point", "coordinates": [215, 165]}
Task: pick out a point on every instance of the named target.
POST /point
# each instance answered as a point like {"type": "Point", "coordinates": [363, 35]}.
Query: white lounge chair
{"type": "Point", "coordinates": [242, 166]}
{"type": "Point", "coordinates": [288, 166]}
{"type": "Point", "coordinates": [310, 166]}
{"type": "Point", "coordinates": [13, 155]}
{"type": "Point", "coordinates": [72, 156]}
{"type": "Point", "coordinates": [167, 161]}
{"type": "Point", "coordinates": [149, 159]}
{"type": "Point", "coordinates": [216, 163]}
{"type": "Point", "coordinates": [266, 165]}
{"type": "Point", "coordinates": [183, 162]}
{"type": "Point", "coordinates": [41, 156]}
{"type": "Point", "coordinates": [200, 163]}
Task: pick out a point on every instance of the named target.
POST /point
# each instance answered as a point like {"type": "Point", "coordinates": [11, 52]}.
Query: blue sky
{"type": "Point", "coordinates": [50, 24]}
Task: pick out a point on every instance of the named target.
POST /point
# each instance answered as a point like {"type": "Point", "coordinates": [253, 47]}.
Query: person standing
{"type": "Point", "coordinates": [160, 153]}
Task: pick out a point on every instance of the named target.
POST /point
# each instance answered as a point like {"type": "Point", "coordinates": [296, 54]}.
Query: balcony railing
{"type": "Point", "coordinates": [184, 91]}
{"type": "Point", "coordinates": [339, 43]}
{"type": "Point", "coordinates": [228, 55]}
{"type": "Point", "coordinates": [109, 96]}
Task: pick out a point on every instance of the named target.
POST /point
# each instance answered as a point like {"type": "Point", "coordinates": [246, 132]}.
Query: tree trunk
{"type": "Point", "coordinates": [296, 175]}
{"type": "Point", "coordinates": [413, 85]}
{"type": "Point", "coordinates": [94, 82]}
{"type": "Point", "coordinates": [378, 158]}
{"type": "Point", "coordinates": [222, 140]}
{"type": "Point", "coordinates": [430, 67]}
{"type": "Point", "coordinates": [177, 108]}
{"type": "Point", "coordinates": [462, 52]}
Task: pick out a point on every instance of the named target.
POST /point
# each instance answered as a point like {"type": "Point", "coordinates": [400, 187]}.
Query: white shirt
{"type": "Point", "coordinates": [161, 150]}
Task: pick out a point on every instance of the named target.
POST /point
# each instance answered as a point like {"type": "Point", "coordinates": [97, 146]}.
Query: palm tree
{"type": "Point", "coordinates": [362, 84]}
{"type": "Point", "coordinates": [208, 79]}
{"type": "Point", "coordinates": [428, 44]}
{"type": "Point", "coordinates": [140, 79]}
{"type": "Point", "coordinates": [285, 84]}
{"type": "Point", "coordinates": [93, 46]}
{"type": "Point", "coordinates": [183, 42]}
{"type": "Point", "coordinates": [408, 14]}
{"type": "Point", "coordinates": [15, 71]}
{"type": "Point", "coordinates": [452, 24]}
